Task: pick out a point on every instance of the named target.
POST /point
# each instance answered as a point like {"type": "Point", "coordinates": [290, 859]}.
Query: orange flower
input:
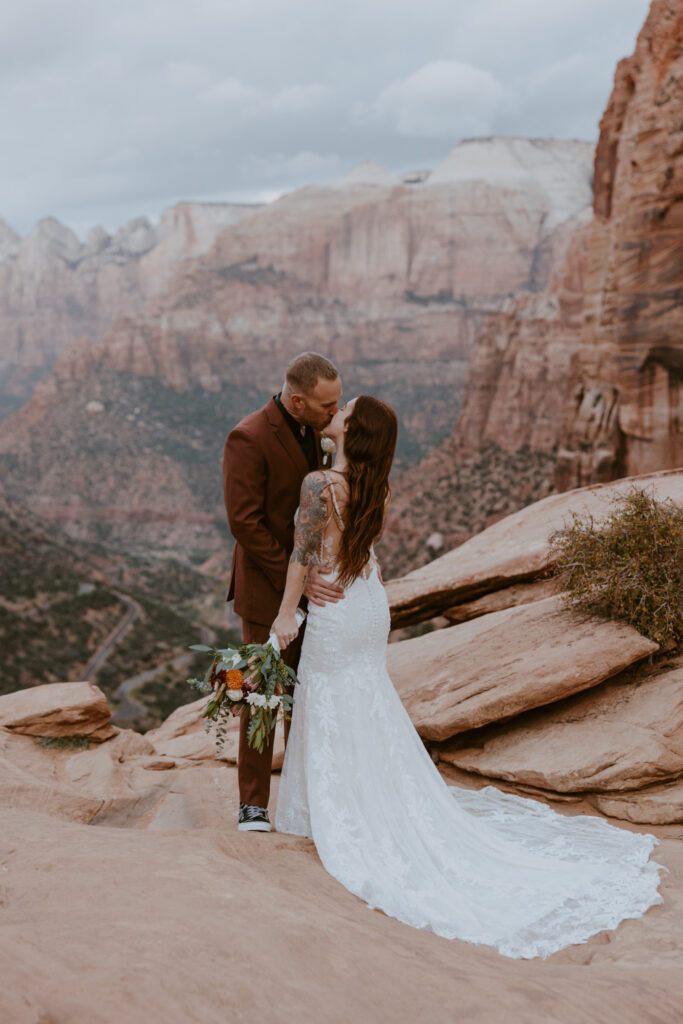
{"type": "Point", "coordinates": [234, 679]}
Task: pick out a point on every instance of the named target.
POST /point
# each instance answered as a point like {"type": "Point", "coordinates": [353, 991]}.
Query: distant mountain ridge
{"type": "Point", "coordinates": [391, 280]}
{"type": "Point", "coordinates": [55, 289]}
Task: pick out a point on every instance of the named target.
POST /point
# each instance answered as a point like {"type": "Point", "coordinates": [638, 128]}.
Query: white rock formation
{"type": "Point", "coordinates": [555, 173]}
{"type": "Point", "coordinates": [367, 173]}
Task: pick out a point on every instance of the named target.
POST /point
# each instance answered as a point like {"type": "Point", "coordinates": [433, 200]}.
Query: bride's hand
{"type": "Point", "coordinates": [286, 629]}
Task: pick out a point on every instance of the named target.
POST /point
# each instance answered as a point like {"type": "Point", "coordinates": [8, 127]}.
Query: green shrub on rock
{"type": "Point", "coordinates": [628, 566]}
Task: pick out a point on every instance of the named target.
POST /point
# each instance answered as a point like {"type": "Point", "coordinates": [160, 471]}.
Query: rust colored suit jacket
{"type": "Point", "coordinates": [263, 469]}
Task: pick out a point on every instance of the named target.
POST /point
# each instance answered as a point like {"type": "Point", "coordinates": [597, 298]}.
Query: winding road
{"type": "Point", "coordinates": [129, 708]}
{"type": "Point", "coordinates": [118, 632]}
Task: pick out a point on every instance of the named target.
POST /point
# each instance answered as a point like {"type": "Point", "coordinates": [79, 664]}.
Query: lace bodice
{"type": "Point", "coordinates": [328, 549]}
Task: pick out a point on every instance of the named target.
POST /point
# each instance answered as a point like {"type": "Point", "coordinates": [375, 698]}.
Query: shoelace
{"type": "Point", "coordinates": [249, 812]}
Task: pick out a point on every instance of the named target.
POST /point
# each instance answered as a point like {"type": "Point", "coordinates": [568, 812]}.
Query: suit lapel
{"type": "Point", "coordinates": [286, 438]}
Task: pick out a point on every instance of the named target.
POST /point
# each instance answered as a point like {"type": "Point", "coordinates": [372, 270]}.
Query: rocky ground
{"type": "Point", "coordinates": [127, 894]}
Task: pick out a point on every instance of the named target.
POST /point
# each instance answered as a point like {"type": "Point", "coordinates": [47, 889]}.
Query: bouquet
{"type": "Point", "coordinates": [251, 679]}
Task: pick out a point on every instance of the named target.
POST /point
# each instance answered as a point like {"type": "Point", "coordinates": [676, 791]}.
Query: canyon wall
{"type": "Point", "coordinates": [582, 380]}
{"type": "Point", "coordinates": [625, 411]}
{"type": "Point", "coordinates": [502, 452]}
{"type": "Point", "coordinates": [55, 289]}
{"type": "Point", "coordinates": [517, 377]}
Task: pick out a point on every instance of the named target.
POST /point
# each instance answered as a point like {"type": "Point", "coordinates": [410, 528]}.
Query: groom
{"type": "Point", "coordinates": [267, 455]}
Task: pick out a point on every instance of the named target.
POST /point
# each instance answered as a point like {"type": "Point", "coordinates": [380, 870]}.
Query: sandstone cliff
{"type": "Point", "coordinates": [501, 455]}
{"type": "Point", "coordinates": [55, 289]}
{"type": "Point", "coordinates": [625, 412]}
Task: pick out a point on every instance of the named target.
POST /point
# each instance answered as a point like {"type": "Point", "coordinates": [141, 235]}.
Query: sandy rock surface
{"type": "Point", "coordinates": [168, 919]}
{"type": "Point", "coordinates": [501, 664]}
{"type": "Point", "coordinates": [511, 551]}
{"type": "Point", "coordinates": [58, 709]}
{"type": "Point", "coordinates": [622, 736]}
{"type": "Point", "coordinates": [140, 901]}
{"type": "Point", "coordinates": [28, 780]}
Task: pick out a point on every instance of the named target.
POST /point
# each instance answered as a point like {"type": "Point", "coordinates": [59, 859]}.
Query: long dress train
{"type": "Point", "coordinates": [485, 867]}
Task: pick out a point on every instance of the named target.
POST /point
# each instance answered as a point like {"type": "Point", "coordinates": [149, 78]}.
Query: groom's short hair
{"type": "Point", "coordinates": [304, 372]}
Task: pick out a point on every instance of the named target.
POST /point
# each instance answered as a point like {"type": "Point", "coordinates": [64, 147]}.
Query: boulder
{"type": "Point", "coordinates": [511, 551]}
{"type": "Point", "coordinates": [88, 785]}
{"type": "Point", "coordinates": [28, 779]}
{"type": "Point", "coordinates": [115, 772]}
{"type": "Point", "coordinates": [655, 805]}
{"type": "Point", "coordinates": [620, 737]}
{"type": "Point", "coordinates": [58, 709]}
{"type": "Point", "coordinates": [501, 664]}
{"type": "Point", "coordinates": [183, 735]}
{"type": "Point", "coordinates": [510, 597]}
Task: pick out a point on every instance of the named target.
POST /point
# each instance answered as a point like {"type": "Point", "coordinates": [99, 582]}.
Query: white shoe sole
{"type": "Point", "coordinates": [254, 826]}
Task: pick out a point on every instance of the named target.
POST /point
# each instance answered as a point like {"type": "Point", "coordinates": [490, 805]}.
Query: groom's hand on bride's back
{"type": "Point", "coordinates": [321, 591]}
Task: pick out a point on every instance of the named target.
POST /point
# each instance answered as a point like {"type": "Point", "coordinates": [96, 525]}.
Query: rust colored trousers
{"type": "Point", "coordinates": [253, 769]}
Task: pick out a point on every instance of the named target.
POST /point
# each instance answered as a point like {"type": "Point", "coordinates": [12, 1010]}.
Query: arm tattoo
{"type": "Point", "coordinates": [310, 524]}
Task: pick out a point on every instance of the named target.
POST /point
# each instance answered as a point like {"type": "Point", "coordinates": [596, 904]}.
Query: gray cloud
{"type": "Point", "coordinates": [111, 110]}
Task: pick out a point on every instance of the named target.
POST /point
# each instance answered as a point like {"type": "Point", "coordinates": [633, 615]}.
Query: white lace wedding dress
{"type": "Point", "coordinates": [482, 866]}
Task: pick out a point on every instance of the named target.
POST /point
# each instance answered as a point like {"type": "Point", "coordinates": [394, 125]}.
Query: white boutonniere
{"type": "Point", "coordinates": [328, 446]}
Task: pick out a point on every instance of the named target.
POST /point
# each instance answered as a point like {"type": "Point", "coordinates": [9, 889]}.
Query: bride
{"type": "Point", "coordinates": [485, 867]}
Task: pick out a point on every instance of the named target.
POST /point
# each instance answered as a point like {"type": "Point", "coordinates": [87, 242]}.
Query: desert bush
{"type": "Point", "coordinates": [63, 742]}
{"type": "Point", "coordinates": [628, 566]}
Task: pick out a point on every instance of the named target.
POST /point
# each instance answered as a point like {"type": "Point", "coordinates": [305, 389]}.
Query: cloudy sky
{"type": "Point", "coordinates": [111, 110]}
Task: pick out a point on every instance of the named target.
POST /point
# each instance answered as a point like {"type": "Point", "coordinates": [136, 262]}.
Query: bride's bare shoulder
{"type": "Point", "coordinates": [314, 483]}
{"type": "Point", "coordinates": [314, 490]}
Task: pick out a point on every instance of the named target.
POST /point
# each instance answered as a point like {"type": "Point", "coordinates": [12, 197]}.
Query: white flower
{"type": "Point", "coordinates": [235, 694]}
{"type": "Point", "coordinates": [229, 659]}
{"type": "Point", "coordinates": [273, 702]}
{"type": "Point", "coordinates": [327, 445]}
{"type": "Point", "coordinates": [257, 699]}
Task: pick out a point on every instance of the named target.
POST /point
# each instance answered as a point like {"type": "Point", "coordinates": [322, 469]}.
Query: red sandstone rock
{"type": "Point", "coordinates": [58, 709]}
{"type": "Point", "coordinates": [511, 551]}
{"type": "Point", "coordinates": [517, 377]}
{"type": "Point", "coordinates": [625, 413]}
{"type": "Point", "coordinates": [501, 664]}
{"type": "Point", "coordinates": [623, 736]}
{"type": "Point", "coordinates": [654, 805]}
{"type": "Point", "coordinates": [160, 918]}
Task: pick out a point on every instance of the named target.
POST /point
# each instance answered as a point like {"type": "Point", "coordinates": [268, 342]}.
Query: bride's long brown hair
{"type": "Point", "coordinates": [369, 444]}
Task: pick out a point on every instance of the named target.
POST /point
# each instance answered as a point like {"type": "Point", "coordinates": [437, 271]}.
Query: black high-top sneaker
{"type": "Point", "coordinates": [253, 819]}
